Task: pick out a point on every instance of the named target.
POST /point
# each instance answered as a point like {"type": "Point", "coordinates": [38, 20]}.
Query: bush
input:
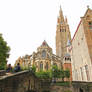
{"type": "Point", "coordinates": [43, 75]}
{"type": "Point", "coordinates": [33, 69]}
{"type": "Point", "coordinates": [62, 83]}
{"type": "Point", "coordinates": [67, 73]}
{"type": "Point", "coordinates": [68, 91]}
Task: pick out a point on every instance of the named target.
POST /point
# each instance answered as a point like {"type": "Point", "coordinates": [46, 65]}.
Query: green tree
{"type": "Point", "coordinates": [67, 73]}
{"type": "Point", "coordinates": [4, 53]}
{"type": "Point", "coordinates": [55, 72]}
{"type": "Point", "coordinates": [34, 69]}
{"type": "Point", "coordinates": [62, 73]}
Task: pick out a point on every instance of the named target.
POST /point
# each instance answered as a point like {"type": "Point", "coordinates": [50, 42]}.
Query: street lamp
{"type": "Point", "coordinates": [53, 77]}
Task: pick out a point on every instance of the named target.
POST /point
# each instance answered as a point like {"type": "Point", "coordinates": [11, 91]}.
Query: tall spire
{"type": "Point", "coordinates": [61, 14]}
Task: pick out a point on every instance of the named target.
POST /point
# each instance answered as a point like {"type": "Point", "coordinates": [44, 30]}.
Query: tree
{"type": "Point", "coordinates": [4, 53]}
{"type": "Point", "coordinates": [62, 74]}
{"type": "Point", "coordinates": [34, 69]}
{"type": "Point", "coordinates": [55, 73]}
{"type": "Point", "coordinates": [67, 73]}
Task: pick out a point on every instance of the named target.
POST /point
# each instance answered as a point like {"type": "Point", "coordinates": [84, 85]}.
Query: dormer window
{"type": "Point", "coordinates": [90, 25]}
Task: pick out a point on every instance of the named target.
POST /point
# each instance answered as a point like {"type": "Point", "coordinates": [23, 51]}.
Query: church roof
{"type": "Point", "coordinates": [81, 21]}
{"type": "Point", "coordinates": [67, 55]}
{"type": "Point", "coordinates": [88, 10]}
{"type": "Point", "coordinates": [44, 43]}
{"type": "Point", "coordinates": [76, 31]}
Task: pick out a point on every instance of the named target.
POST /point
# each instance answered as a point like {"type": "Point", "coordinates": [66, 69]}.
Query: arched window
{"type": "Point", "coordinates": [41, 66]}
{"type": "Point", "coordinates": [46, 65]}
{"type": "Point", "coordinates": [43, 54]}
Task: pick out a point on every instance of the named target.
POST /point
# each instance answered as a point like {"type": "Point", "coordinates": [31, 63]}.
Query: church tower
{"type": "Point", "coordinates": [62, 35]}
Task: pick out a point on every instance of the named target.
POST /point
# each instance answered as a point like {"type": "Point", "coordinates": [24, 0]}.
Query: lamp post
{"type": "Point", "coordinates": [53, 77]}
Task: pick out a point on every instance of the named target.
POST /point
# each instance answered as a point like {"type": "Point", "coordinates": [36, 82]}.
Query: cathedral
{"type": "Point", "coordinates": [43, 59]}
{"type": "Point", "coordinates": [74, 53]}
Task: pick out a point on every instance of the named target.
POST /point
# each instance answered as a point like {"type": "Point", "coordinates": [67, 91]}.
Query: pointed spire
{"type": "Point", "coordinates": [60, 8]}
{"type": "Point", "coordinates": [65, 19]}
{"type": "Point", "coordinates": [61, 15]}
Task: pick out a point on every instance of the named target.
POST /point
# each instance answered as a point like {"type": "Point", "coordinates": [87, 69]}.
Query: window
{"type": "Point", "coordinates": [81, 72]}
{"type": "Point", "coordinates": [67, 58]}
{"type": "Point", "coordinates": [46, 65]}
{"type": "Point", "coordinates": [90, 25]}
{"type": "Point", "coordinates": [87, 71]}
{"type": "Point", "coordinates": [76, 75]}
{"type": "Point", "coordinates": [62, 30]}
{"type": "Point", "coordinates": [41, 66]}
{"type": "Point", "coordinates": [43, 54]}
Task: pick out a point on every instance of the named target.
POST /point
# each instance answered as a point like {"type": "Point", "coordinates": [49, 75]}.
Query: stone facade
{"type": "Point", "coordinates": [23, 61]}
{"type": "Point", "coordinates": [81, 52]}
{"type": "Point", "coordinates": [43, 59]}
{"type": "Point", "coordinates": [24, 81]}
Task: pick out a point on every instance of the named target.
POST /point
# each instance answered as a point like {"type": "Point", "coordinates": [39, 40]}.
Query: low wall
{"type": "Point", "coordinates": [2, 72]}
{"type": "Point", "coordinates": [26, 81]}
{"type": "Point", "coordinates": [19, 82]}
{"type": "Point", "coordinates": [75, 86]}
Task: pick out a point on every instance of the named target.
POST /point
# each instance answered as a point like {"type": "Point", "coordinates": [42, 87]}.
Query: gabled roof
{"type": "Point", "coordinates": [88, 10]}
{"type": "Point", "coordinates": [44, 43]}
{"type": "Point", "coordinates": [67, 55]}
{"type": "Point", "coordinates": [76, 31]}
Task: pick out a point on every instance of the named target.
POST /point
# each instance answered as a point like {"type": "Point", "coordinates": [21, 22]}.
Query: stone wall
{"type": "Point", "coordinates": [75, 86]}
{"type": "Point", "coordinates": [19, 82]}
{"type": "Point", "coordinates": [26, 81]}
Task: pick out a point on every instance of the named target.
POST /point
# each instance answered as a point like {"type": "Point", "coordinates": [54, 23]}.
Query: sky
{"type": "Point", "coordinates": [25, 24]}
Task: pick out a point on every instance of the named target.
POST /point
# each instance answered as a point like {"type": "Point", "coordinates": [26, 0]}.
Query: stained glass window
{"type": "Point", "coordinates": [46, 65]}
{"type": "Point", "coordinates": [41, 66]}
{"type": "Point", "coordinates": [43, 53]}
